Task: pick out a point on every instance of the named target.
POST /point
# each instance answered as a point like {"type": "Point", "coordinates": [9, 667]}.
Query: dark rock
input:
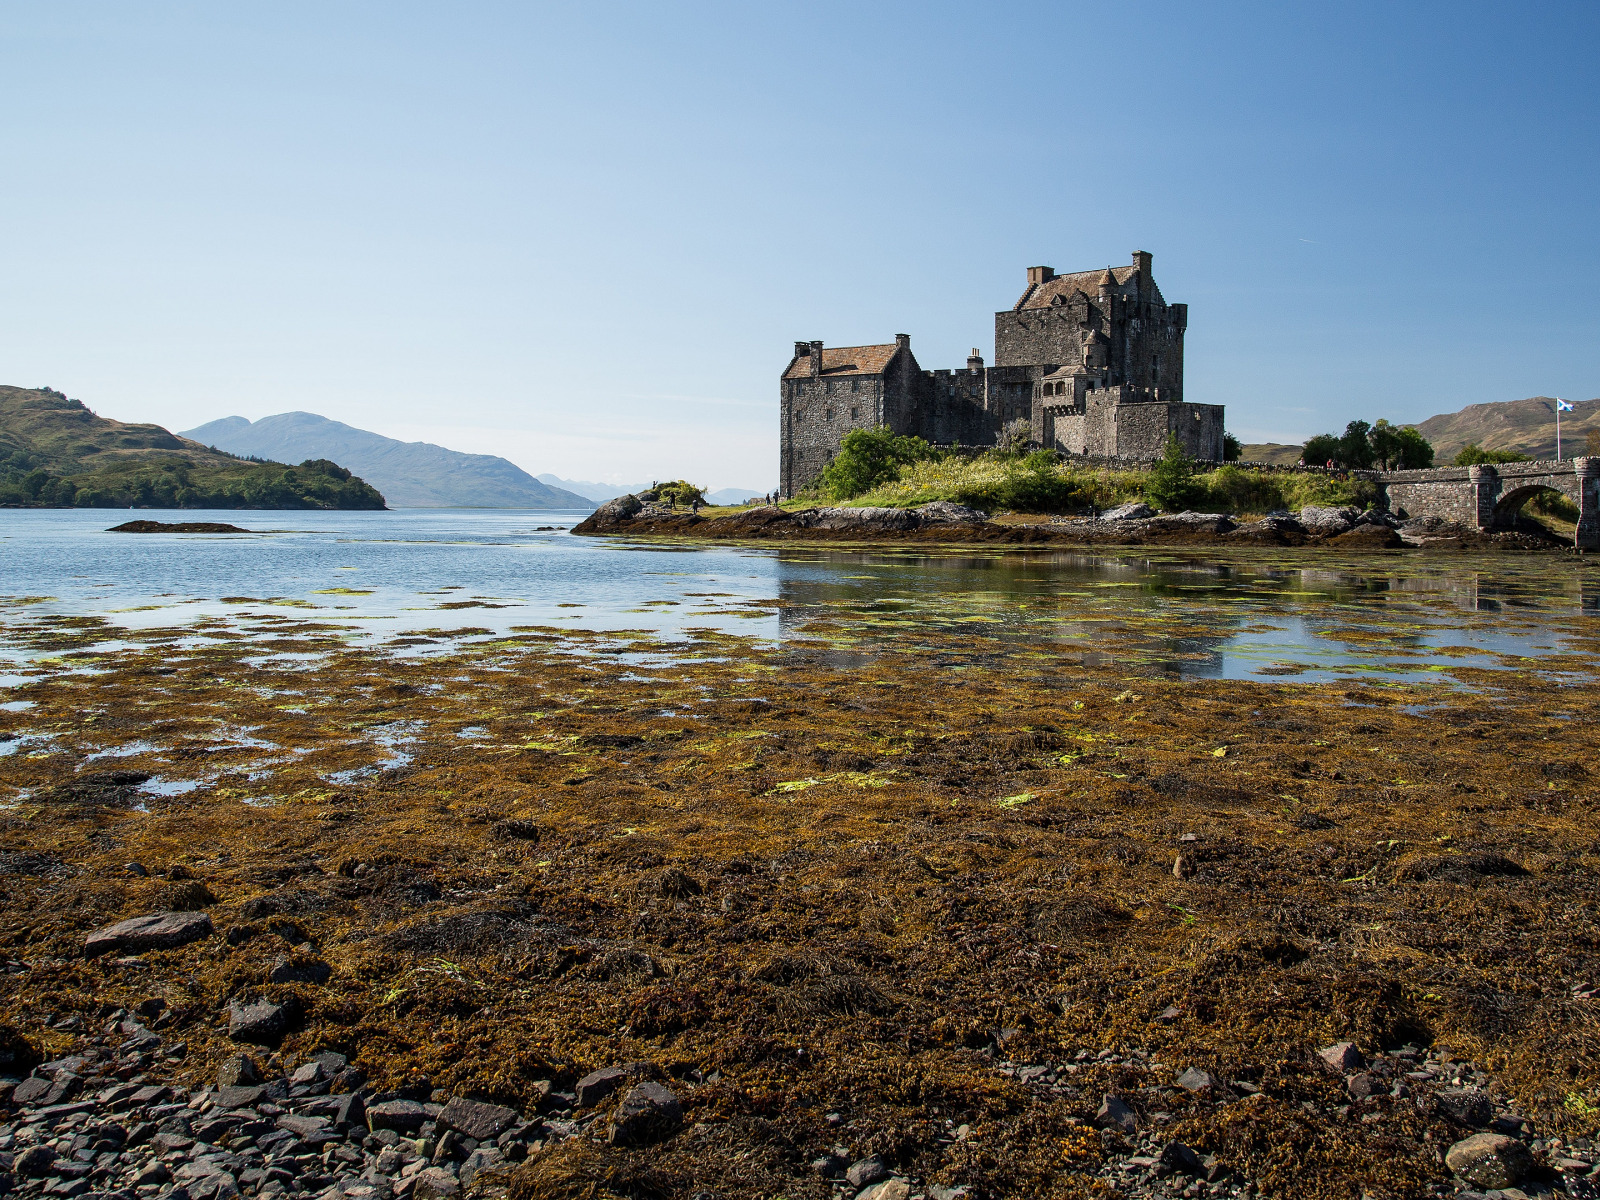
{"type": "Point", "coordinates": [1465, 1106]}
{"type": "Point", "coordinates": [35, 1161]}
{"type": "Point", "coordinates": [831, 1166]}
{"type": "Point", "coordinates": [262, 1022]}
{"type": "Point", "coordinates": [1374, 537]}
{"type": "Point", "coordinates": [154, 931]}
{"type": "Point", "coordinates": [648, 1113]}
{"type": "Point", "coordinates": [484, 1158]}
{"type": "Point", "coordinates": [867, 1171]}
{"type": "Point", "coordinates": [238, 1070]}
{"type": "Point", "coordinates": [1341, 1057]}
{"type": "Point", "coordinates": [351, 1079]}
{"type": "Point", "coordinates": [351, 1109]}
{"type": "Point", "coordinates": [1363, 1085]}
{"type": "Point", "coordinates": [477, 1120]}
{"type": "Point", "coordinates": [435, 1183]}
{"type": "Point", "coordinates": [1114, 1114]}
{"type": "Point", "coordinates": [31, 1092]}
{"type": "Point", "coordinates": [1177, 1159]}
{"type": "Point", "coordinates": [238, 1097]}
{"type": "Point", "coordinates": [299, 969]}
{"type": "Point", "coordinates": [597, 1085]}
{"type": "Point", "coordinates": [944, 512]}
{"type": "Point", "coordinates": [176, 527]}
{"type": "Point", "coordinates": [1490, 1160]}
{"type": "Point", "coordinates": [303, 1127]}
{"type": "Point", "coordinates": [402, 1116]}
{"type": "Point", "coordinates": [1196, 1080]}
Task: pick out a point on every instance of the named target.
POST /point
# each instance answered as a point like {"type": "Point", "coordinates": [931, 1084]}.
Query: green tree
{"type": "Point", "coordinates": [1232, 448]}
{"type": "Point", "coordinates": [1355, 446]}
{"type": "Point", "coordinates": [1319, 450]}
{"type": "Point", "coordinates": [1472, 454]}
{"type": "Point", "coordinates": [1171, 485]}
{"type": "Point", "coordinates": [1414, 452]}
{"type": "Point", "coordinates": [869, 457]}
{"type": "Point", "coordinates": [681, 491]}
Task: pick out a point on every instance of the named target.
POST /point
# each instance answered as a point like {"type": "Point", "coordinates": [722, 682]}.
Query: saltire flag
{"type": "Point", "coordinates": [1563, 406]}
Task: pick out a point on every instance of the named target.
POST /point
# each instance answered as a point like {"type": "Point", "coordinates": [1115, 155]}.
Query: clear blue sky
{"type": "Point", "coordinates": [585, 236]}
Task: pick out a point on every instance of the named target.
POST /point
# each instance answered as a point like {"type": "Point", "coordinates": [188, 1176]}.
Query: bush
{"type": "Point", "coordinates": [1472, 455]}
{"type": "Point", "coordinates": [1171, 485]}
{"type": "Point", "coordinates": [1232, 448]}
{"type": "Point", "coordinates": [868, 458]}
{"type": "Point", "coordinates": [1235, 490]}
{"type": "Point", "coordinates": [680, 491]}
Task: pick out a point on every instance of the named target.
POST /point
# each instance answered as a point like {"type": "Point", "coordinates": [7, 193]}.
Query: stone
{"type": "Point", "coordinates": [238, 1097]}
{"type": "Point", "coordinates": [1196, 1080]}
{"type": "Point", "coordinates": [619, 509]}
{"type": "Point", "coordinates": [1490, 1160]}
{"type": "Point", "coordinates": [154, 931]}
{"type": "Point", "coordinates": [402, 1116]}
{"type": "Point", "coordinates": [1177, 1159]}
{"type": "Point", "coordinates": [477, 1120]}
{"type": "Point", "coordinates": [1341, 1058]}
{"type": "Point", "coordinates": [1370, 537]}
{"type": "Point", "coordinates": [648, 1113]}
{"type": "Point", "coordinates": [299, 969]}
{"type": "Point", "coordinates": [944, 512]}
{"type": "Point", "coordinates": [351, 1109]}
{"type": "Point", "coordinates": [1328, 521]}
{"type": "Point", "coordinates": [1170, 1013]}
{"type": "Point", "coordinates": [889, 1189]}
{"type": "Point", "coordinates": [435, 1183]}
{"type": "Point", "coordinates": [261, 1022]}
{"type": "Point", "coordinates": [597, 1085]}
{"type": "Point", "coordinates": [31, 1092]}
{"type": "Point", "coordinates": [1465, 1106]}
{"type": "Point", "coordinates": [35, 1161]}
{"type": "Point", "coordinates": [866, 1171]}
{"type": "Point", "coordinates": [1114, 1114]}
{"type": "Point", "coordinates": [303, 1127]}
{"type": "Point", "coordinates": [484, 1158]}
{"type": "Point", "coordinates": [238, 1070]}
{"type": "Point", "coordinates": [307, 1074]}
{"type": "Point", "coordinates": [1128, 512]}
{"type": "Point", "coordinates": [1363, 1085]}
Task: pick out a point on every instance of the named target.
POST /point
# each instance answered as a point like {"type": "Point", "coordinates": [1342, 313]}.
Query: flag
{"type": "Point", "coordinates": [1563, 406]}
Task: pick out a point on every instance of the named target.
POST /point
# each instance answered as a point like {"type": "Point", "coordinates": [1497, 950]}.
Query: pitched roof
{"type": "Point", "coordinates": [1087, 282]}
{"type": "Point", "coordinates": [846, 360]}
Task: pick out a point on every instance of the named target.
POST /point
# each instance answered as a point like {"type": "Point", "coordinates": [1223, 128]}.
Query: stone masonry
{"type": "Point", "coordinates": [1092, 360]}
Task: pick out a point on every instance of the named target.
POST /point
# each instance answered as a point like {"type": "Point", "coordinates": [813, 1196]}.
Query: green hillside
{"type": "Point", "coordinates": [1525, 427]}
{"type": "Point", "coordinates": [55, 453]}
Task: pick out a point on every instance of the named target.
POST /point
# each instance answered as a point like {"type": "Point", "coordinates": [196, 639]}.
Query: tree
{"type": "Point", "coordinates": [1320, 449]}
{"type": "Point", "coordinates": [1472, 455]}
{"type": "Point", "coordinates": [1591, 443]}
{"type": "Point", "coordinates": [1171, 485]}
{"type": "Point", "coordinates": [1014, 436]}
{"type": "Point", "coordinates": [1232, 448]}
{"type": "Point", "coordinates": [869, 457]}
{"type": "Point", "coordinates": [1355, 447]}
{"type": "Point", "coordinates": [681, 491]}
{"type": "Point", "coordinates": [1415, 452]}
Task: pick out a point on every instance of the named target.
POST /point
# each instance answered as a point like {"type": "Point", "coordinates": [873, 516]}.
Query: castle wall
{"type": "Point", "coordinates": [816, 413]}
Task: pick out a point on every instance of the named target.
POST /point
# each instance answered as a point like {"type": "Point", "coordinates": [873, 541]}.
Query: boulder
{"type": "Point", "coordinates": [619, 509]}
{"type": "Point", "coordinates": [261, 1023]}
{"type": "Point", "coordinates": [889, 1189]}
{"type": "Point", "coordinates": [1328, 521]}
{"type": "Point", "coordinates": [1177, 1159]}
{"type": "Point", "coordinates": [299, 969]}
{"type": "Point", "coordinates": [1136, 511]}
{"type": "Point", "coordinates": [1191, 523]}
{"type": "Point", "coordinates": [1363, 1085]}
{"type": "Point", "coordinates": [1367, 537]}
{"type": "Point", "coordinates": [868, 1170]}
{"type": "Point", "coordinates": [35, 1161]}
{"type": "Point", "coordinates": [1490, 1160]}
{"type": "Point", "coordinates": [435, 1183]}
{"type": "Point", "coordinates": [154, 931]}
{"type": "Point", "coordinates": [597, 1085]}
{"type": "Point", "coordinates": [1114, 1114]}
{"type": "Point", "coordinates": [402, 1116]}
{"type": "Point", "coordinates": [870, 519]}
{"type": "Point", "coordinates": [1341, 1058]}
{"type": "Point", "coordinates": [238, 1070]}
{"type": "Point", "coordinates": [476, 1120]}
{"type": "Point", "coordinates": [944, 512]}
{"type": "Point", "coordinates": [648, 1113]}
{"type": "Point", "coordinates": [31, 1093]}
{"type": "Point", "coordinates": [484, 1158]}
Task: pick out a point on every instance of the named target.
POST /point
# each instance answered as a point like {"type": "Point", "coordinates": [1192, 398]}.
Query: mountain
{"type": "Point", "coordinates": [731, 495]}
{"type": "Point", "coordinates": [411, 474]}
{"type": "Point", "coordinates": [55, 452]}
{"type": "Point", "coordinates": [598, 492]}
{"type": "Point", "coordinates": [1526, 427]}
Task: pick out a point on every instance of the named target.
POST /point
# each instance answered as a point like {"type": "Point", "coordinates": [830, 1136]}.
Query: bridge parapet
{"type": "Point", "coordinates": [1485, 495]}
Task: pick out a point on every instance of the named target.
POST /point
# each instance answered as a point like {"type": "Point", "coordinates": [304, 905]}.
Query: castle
{"type": "Point", "coordinates": [1093, 361]}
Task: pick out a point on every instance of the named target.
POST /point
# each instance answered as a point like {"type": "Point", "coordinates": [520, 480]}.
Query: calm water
{"type": "Point", "coordinates": [453, 575]}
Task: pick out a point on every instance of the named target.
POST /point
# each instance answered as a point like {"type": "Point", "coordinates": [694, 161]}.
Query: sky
{"type": "Point", "coordinates": [587, 236]}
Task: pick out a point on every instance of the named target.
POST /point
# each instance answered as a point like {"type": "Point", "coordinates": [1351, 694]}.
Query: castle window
{"type": "Point", "coordinates": [830, 414]}
{"type": "Point", "coordinates": [855, 385]}
{"type": "Point", "coordinates": [855, 414]}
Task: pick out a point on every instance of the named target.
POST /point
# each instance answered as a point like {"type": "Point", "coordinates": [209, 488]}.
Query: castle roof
{"type": "Point", "coordinates": [1041, 295]}
{"type": "Point", "coordinates": [846, 360]}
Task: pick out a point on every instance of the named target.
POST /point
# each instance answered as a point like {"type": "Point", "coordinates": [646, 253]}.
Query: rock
{"type": "Point", "coordinates": [1341, 1058]}
{"type": "Point", "coordinates": [939, 1191]}
{"type": "Point", "coordinates": [597, 1085]}
{"type": "Point", "coordinates": [262, 1023]}
{"type": "Point", "coordinates": [435, 1183]}
{"type": "Point", "coordinates": [484, 1158]}
{"type": "Point", "coordinates": [307, 1073]}
{"type": "Point", "coordinates": [1363, 1085]}
{"type": "Point", "coordinates": [31, 1092]}
{"type": "Point", "coordinates": [1128, 512]}
{"type": "Point", "coordinates": [299, 969]}
{"type": "Point", "coordinates": [1465, 1106]}
{"type": "Point", "coordinates": [402, 1116]}
{"type": "Point", "coordinates": [351, 1109]}
{"type": "Point", "coordinates": [303, 1127]}
{"type": "Point", "coordinates": [889, 1189]}
{"type": "Point", "coordinates": [35, 1161]}
{"type": "Point", "coordinates": [943, 512]}
{"type": "Point", "coordinates": [1196, 1080]}
{"type": "Point", "coordinates": [1328, 521]}
{"type": "Point", "coordinates": [1374, 537]}
{"type": "Point", "coordinates": [619, 509]}
{"type": "Point", "coordinates": [866, 1171]}
{"type": "Point", "coordinates": [154, 931]}
{"type": "Point", "coordinates": [476, 1120]}
{"type": "Point", "coordinates": [1177, 1159]}
{"type": "Point", "coordinates": [239, 1070]}
{"type": "Point", "coordinates": [1114, 1114]}
{"type": "Point", "coordinates": [1490, 1160]}
{"type": "Point", "coordinates": [238, 1097]}
{"type": "Point", "coordinates": [1170, 1013]}
{"type": "Point", "coordinates": [860, 518]}
{"type": "Point", "coordinates": [648, 1113]}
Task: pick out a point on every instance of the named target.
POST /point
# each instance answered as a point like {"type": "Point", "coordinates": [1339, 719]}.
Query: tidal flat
{"type": "Point", "coordinates": [857, 866]}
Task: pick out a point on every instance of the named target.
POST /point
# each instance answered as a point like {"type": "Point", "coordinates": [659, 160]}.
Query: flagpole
{"type": "Point", "coordinates": [1558, 429]}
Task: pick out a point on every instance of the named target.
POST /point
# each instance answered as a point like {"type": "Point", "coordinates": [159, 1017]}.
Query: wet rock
{"type": "Point", "coordinates": [1177, 1159]}
{"type": "Point", "coordinates": [299, 969]}
{"type": "Point", "coordinates": [868, 1170]}
{"type": "Point", "coordinates": [261, 1023]}
{"type": "Point", "coordinates": [238, 1070]}
{"type": "Point", "coordinates": [1196, 1080]}
{"type": "Point", "coordinates": [1114, 1114]}
{"type": "Point", "coordinates": [1341, 1057]}
{"type": "Point", "coordinates": [944, 512]}
{"type": "Point", "coordinates": [476, 1120]}
{"type": "Point", "coordinates": [435, 1183]}
{"type": "Point", "coordinates": [484, 1158]}
{"type": "Point", "coordinates": [597, 1085]}
{"type": "Point", "coordinates": [648, 1113]}
{"type": "Point", "coordinates": [1128, 512]}
{"type": "Point", "coordinates": [1465, 1106]}
{"type": "Point", "coordinates": [1490, 1160]}
{"type": "Point", "coordinates": [1374, 537]}
{"type": "Point", "coordinates": [619, 509]}
{"type": "Point", "coordinates": [1328, 522]}
{"type": "Point", "coordinates": [402, 1116]}
{"type": "Point", "coordinates": [154, 931]}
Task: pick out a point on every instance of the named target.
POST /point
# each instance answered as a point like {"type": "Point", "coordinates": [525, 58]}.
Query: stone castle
{"type": "Point", "coordinates": [1093, 361]}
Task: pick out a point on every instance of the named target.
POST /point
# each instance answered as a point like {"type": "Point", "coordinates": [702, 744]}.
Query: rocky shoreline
{"type": "Point", "coordinates": [1128, 525]}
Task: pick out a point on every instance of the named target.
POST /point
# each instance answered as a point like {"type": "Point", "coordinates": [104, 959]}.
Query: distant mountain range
{"type": "Point", "coordinates": [601, 492]}
{"type": "Point", "coordinates": [1525, 427]}
{"type": "Point", "coordinates": [409, 474]}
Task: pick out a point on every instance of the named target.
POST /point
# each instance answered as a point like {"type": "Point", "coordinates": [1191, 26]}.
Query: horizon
{"type": "Point", "coordinates": [586, 244]}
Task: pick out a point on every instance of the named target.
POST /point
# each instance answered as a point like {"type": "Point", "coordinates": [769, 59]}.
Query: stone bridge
{"type": "Point", "coordinates": [1487, 497]}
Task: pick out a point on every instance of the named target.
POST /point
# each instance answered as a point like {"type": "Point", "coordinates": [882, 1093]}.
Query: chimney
{"type": "Point", "coordinates": [816, 358]}
{"type": "Point", "coordinates": [1141, 263]}
{"type": "Point", "coordinates": [802, 349]}
{"type": "Point", "coordinates": [903, 341]}
{"type": "Point", "coordinates": [974, 361]}
{"type": "Point", "coordinates": [1038, 275]}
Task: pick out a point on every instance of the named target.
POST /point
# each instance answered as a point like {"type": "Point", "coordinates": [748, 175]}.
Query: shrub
{"type": "Point", "coordinates": [868, 458]}
{"type": "Point", "coordinates": [1171, 485]}
{"type": "Point", "coordinates": [680, 491]}
{"type": "Point", "coordinates": [1472, 454]}
{"type": "Point", "coordinates": [1232, 448]}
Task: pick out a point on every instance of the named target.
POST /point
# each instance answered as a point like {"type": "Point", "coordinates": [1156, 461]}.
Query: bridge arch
{"type": "Point", "coordinates": [1484, 496]}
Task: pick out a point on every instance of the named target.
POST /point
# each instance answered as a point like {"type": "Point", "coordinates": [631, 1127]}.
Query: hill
{"type": "Point", "coordinates": [1525, 427]}
{"type": "Point", "coordinates": [1276, 453]}
{"type": "Point", "coordinates": [55, 452]}
{"type": "Point", "coordinates": [410, 474]}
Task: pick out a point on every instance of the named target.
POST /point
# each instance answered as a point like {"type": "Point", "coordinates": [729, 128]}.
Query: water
{"type": "Point", "coordinates": [422, 581]}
